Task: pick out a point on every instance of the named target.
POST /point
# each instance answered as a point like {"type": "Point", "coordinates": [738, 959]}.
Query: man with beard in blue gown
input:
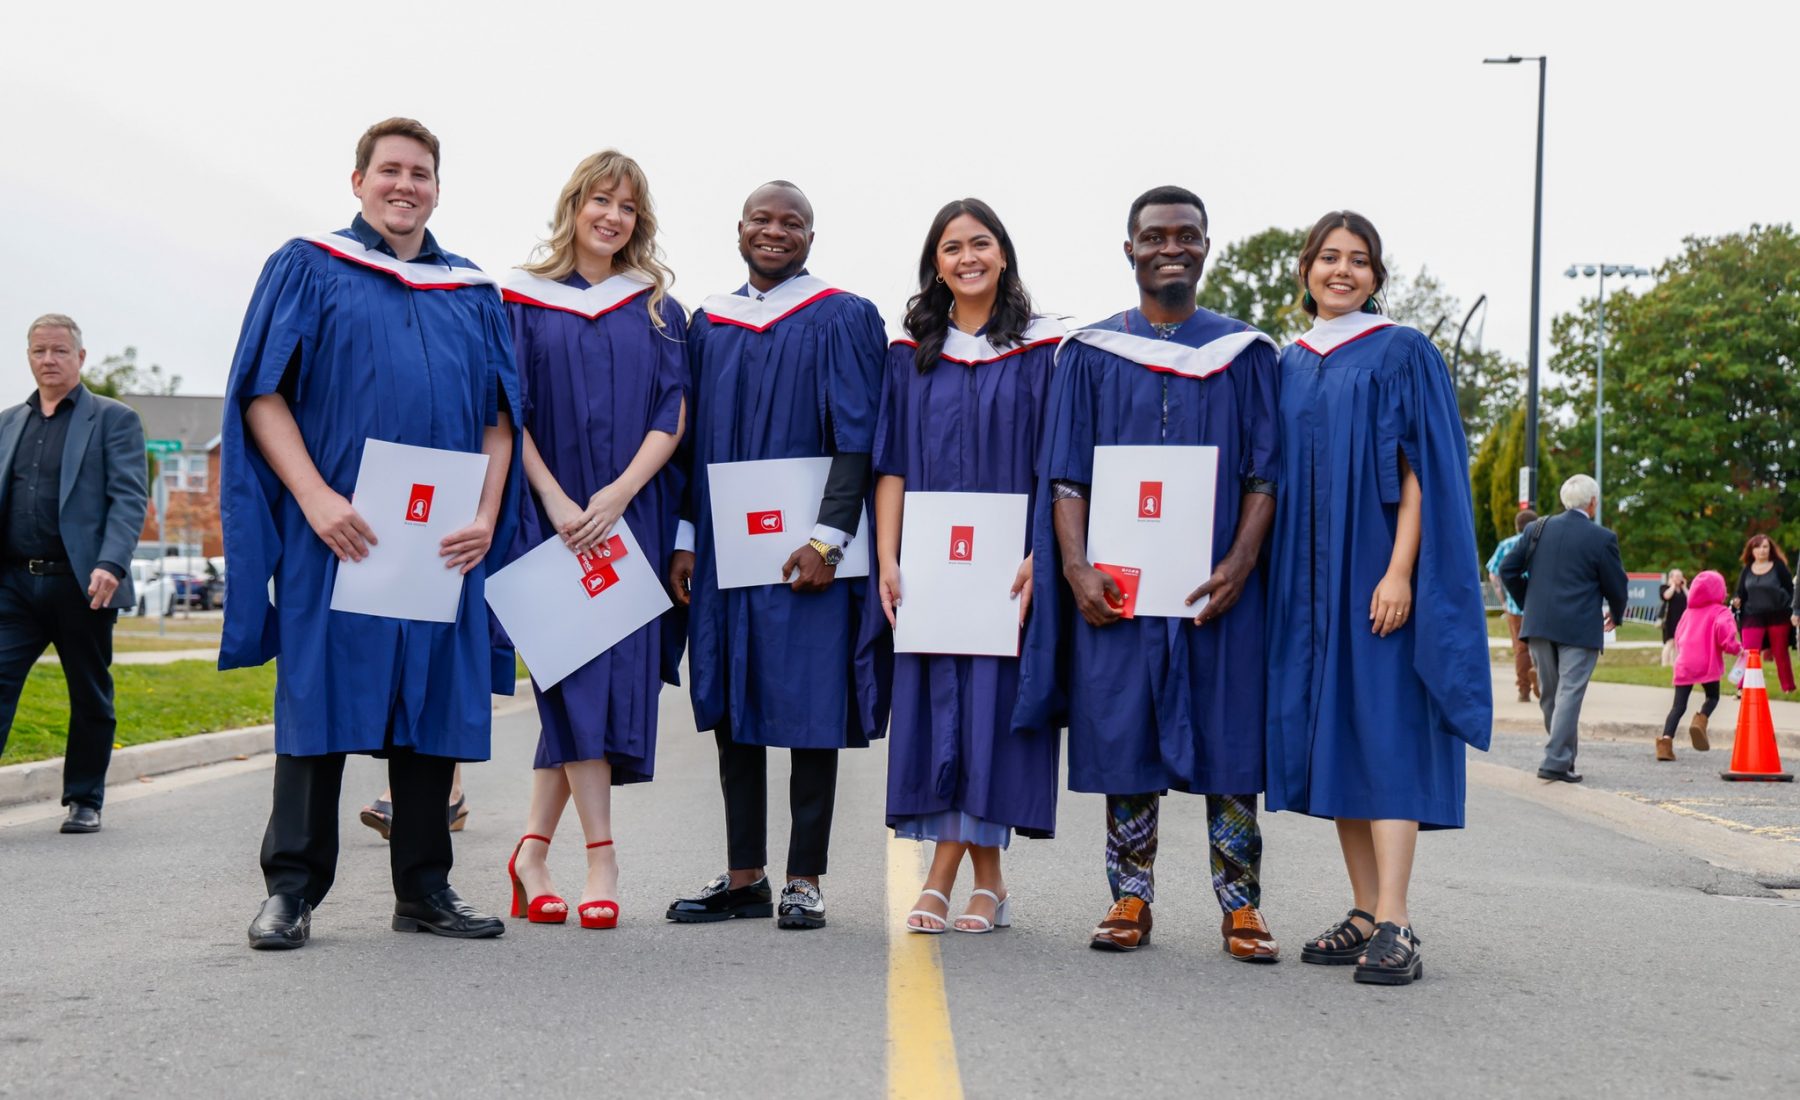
{"type": "Point", "coordinates": [1157, 704]}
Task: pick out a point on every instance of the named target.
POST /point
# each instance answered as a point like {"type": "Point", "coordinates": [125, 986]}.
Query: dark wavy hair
{"type": "Point", "coordinates": [928, 311]}
{"type": "Point", "coordinates": [1315, 244]}
{"type": "Point", "coordinates": [1754, 541]}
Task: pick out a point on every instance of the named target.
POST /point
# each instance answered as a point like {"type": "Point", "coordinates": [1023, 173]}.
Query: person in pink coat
{"type": "Point", "coordinates": [1705, 634]}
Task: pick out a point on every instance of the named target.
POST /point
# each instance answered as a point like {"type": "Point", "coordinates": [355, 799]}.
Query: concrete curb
{"type": "Point", "coordinates": [1641, 731]}
{"type": "Point", "coordinates": [40, 780]}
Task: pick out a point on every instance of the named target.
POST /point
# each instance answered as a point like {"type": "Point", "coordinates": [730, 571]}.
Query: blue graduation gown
{"type": "Point", "coordinates": [784, 669]}
{"type": "Point", "coordinates": [1362, 726]}
{"type": "Point", "coordinates": [590, 389]}
{"type": "Point", "coordinates": [967, 427]}
{"type": "Point", "coordinates": [1154, 704]}
{"type": "Point", "coordinates": [360, 354]}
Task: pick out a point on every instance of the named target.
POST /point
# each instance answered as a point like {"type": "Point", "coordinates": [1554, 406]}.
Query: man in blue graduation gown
{"type": "Point", "coordinates": [787, 367]}
{"type": "Point", "coordinates": [372, 332]}
{"type": "Point", "coordinates": [1156, 704]}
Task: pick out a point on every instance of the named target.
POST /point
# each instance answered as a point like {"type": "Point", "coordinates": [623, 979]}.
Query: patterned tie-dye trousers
{"type": "Point", "coordinates": [1232, 834]}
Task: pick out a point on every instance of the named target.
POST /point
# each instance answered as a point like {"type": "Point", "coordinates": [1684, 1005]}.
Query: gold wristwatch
{"type": "Point", "coordinates": [831, 554]}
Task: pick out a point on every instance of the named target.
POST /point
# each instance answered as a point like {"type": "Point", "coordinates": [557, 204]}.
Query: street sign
{"type": "Point", "coordinates": [162, 446]}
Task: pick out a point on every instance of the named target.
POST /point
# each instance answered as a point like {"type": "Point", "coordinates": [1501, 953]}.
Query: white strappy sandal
{"type": "Point", "coordinates": [1002, 914]}
{"type": "Point", "coordinates": [943, 918]}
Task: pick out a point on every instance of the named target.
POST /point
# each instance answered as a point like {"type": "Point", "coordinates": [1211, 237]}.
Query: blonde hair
{"type": "Point", "coordinates": [554, 258]}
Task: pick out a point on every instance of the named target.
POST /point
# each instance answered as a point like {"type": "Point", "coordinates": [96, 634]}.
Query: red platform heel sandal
{"type": "Point", "coordinates": [534, 910]}
{"type": "Point", "coordinates": [602, 913]}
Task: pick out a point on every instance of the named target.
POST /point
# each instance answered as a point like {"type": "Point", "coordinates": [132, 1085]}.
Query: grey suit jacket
{"type": "Point", "coordinates": [104, 491]}
{"type": "Point", "coordinates": [1576, 565]}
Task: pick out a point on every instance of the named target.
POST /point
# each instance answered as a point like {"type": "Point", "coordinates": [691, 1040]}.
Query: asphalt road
{"type": "Point", "coordinates": [1562, 959]}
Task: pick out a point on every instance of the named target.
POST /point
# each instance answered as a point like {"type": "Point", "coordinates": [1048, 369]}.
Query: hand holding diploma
{"type": "Point", "coordinates": [809, 571]}
{"type": "Point", "coordinates": [467, 546]}
{"type": "Point", "coordinates": [336, 522]}
{"type": "Point", "coordinates": [1097, 596]}
{"type": "Point", "coordinates": [681, 576]}
{"type": "Point", "coordinates": [1021, 588]}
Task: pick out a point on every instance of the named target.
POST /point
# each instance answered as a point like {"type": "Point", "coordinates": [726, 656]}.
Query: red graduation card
{"type": "Point", "coordinates": [1126, 577]}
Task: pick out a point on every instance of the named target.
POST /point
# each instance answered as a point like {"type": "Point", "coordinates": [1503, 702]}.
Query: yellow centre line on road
{"type": "Point", "coordinates": [921, 1052]}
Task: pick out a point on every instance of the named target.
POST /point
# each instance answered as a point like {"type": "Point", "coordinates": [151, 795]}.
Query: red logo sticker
{"type": "Point", "coordinates": [418, 506]}
{"type": "Point", "coordinates": [1150, 500]}
{"type": "Point", "coordinates": [597, 572]}
{"type": "Point", "coordinates": [962, 544]}
{"type": "Point", "coordinates": [765, 523]}
{"type": "Point", "coordinates": [599, 581]}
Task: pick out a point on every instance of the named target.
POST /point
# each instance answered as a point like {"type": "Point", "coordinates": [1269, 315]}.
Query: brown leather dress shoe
{"type": "Point", "coordinates": [1126, 927]}
{"type": "Point", "coordinates": [1247, 937]}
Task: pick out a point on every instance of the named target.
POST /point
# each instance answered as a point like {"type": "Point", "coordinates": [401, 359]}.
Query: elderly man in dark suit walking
{"type": "Point", "coordinates": [72, 497]}
{"type": "Point", "coordinates": [1560, 570]}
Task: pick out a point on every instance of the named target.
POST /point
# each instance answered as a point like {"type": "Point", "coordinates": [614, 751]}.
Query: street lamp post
{"type": "Point", "coordinates": [1623, 271]}
{"type": "Point", "coordinates": [1528, 475]}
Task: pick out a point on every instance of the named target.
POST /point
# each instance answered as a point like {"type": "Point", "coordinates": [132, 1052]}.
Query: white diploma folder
{"type": "Point", "coordinates": [765, 509]}
{"type": "Point", "coordinates": [1151, 508]}
{"type": "Point", "coordinates": [563, 609]}
{"type": "Point", "coordinates": [411, 497]}
{"type": "Point", "coordinates": [959, 553]}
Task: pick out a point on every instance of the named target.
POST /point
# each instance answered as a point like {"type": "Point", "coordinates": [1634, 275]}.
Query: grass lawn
{"type": "Point", "coordinates": [1628, 632]}
{"type": "Point", "coordinates": [154, 703]}
{"type": "Point", "coordinates": [131, 643]}
{"type": "Point", "coordinates": [1642, 666]}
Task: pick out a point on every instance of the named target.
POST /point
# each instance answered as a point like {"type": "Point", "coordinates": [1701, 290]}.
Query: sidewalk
{"type": "Point", "coordinates": [1633, 711]}
{"type": "Point", "coordinates": [150, 657]}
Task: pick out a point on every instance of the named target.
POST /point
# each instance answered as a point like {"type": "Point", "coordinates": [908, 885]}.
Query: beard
{"type": "Point", "coordinates": [1175, 295]}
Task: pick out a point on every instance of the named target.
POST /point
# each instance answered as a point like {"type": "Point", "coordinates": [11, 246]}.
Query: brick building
{"type": "Point", "coordinates": [191, 475]}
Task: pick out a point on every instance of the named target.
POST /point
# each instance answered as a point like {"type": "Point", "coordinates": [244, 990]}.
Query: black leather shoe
{"type": "Point", "coordinates": [446, 914]}
{"type": "Point", "coordinates": [81, 819]}
{"type": "Point", "coordinates": [1559, 777]}
{"type": "Point", "coordinates": [718, 901]}
{"type": "Point", "coordinates": [284, 923]}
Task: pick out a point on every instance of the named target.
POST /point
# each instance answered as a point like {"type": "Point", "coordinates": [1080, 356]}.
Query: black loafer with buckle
{"type": "Point", "coordinates": [720, 901]}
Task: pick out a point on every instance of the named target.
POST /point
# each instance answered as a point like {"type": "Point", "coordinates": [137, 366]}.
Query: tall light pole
{"type": "Point", "coordinates": [1623, 271]}
{"type": "Point", "coordinates": [1528, 475]}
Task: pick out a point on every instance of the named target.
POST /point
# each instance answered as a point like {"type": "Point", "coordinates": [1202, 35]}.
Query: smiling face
{"type": "Point", "coordinates": [604, 224]}
{"type": "Point", "coordinates": [1168, 251]}
{"type": "Point", "coordinates": [970, 259]}
{"type": "Point", "coordinates": [399, 191]}
{"type": "Point", "coordinates": [56, 357]}
{"type": "Point", "coordinates": [1342, 276]}
{"type": "Point", "coordinates": [1759, 553]}
{"type": "Point", "coordinates": [775, 234]}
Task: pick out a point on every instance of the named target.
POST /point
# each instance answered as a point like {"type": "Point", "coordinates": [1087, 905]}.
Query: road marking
{"type": "Point", "coordinates": [921, 1051]}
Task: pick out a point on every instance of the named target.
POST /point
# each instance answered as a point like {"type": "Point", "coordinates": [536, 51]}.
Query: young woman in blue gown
{"type": "Point", "coordinates": [962, 407]}
{"type": "Point", "coordinates": [1377, 634]}
{"type": "Point", "coordinates": [603, 380]}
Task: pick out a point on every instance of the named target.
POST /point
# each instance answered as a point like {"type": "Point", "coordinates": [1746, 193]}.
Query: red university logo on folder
{"type": "Point", "coordinates": [597, 572]}
{"type": "Point", "coordinates": [1149, 500]}
{"type": "Point", "coordinates": [1126, 577]}
{"type": "Point", "coordinates": [765, 523]}
{"type": "Point", "coordinates": [418, 506]}
{"type": "Point", "coordinates": [962, 544]}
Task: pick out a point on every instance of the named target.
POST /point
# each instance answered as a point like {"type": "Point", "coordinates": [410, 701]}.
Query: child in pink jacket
{"type": "Point", "coordinates": [1706, 632]}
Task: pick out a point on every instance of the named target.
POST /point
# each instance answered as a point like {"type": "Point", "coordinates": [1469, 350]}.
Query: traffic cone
{"type": "Point", "coordinates": [1753, 753]}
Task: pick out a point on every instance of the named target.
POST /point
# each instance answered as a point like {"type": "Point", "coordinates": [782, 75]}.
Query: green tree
{"type": "Point", "coordinates": [1253, 280]}
{"type": "Point", "coordinates": [1702, 431]}
{"type": "Point", "coordinates": [120, 374]}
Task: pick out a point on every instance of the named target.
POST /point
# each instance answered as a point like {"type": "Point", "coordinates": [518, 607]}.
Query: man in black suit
{"type": "Point", "coordinates": [1563, 566]}
{"type": "Point", "coordinates": [72, 497]}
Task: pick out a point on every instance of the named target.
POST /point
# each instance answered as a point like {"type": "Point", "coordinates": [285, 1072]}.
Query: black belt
{"type": "Point", "coordinates": [42, 567]}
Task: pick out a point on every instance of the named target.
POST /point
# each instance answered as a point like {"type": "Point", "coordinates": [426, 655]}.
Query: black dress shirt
{"type": "Point", "coordinates": [34, 496]}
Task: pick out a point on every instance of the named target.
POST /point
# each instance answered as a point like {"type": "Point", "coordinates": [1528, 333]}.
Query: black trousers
{"type": "Point", "coordinates": [1684, 692]}
{"type": "Point", "coordinates": [812, 795]}
{"type": "Point", "coordinates": [300, 846]}
{"type": "Point", "coordinates": [36, 611]}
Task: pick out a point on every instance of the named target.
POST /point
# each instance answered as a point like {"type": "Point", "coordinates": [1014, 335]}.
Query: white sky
{"type": "Point", "coordinates": [155, 154]}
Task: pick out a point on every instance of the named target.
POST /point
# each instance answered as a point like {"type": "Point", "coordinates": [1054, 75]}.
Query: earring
{"type": "Point", "coordinates": [1307, 303]}
{"type": "Point", "coordinates": [939, 278]}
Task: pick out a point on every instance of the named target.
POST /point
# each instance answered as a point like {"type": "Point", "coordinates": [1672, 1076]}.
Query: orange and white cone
{"type": "Point", "coordinates": [1754, 756]}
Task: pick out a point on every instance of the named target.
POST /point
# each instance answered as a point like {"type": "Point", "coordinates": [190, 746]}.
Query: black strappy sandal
{"type": "Point", "coordinates": [1343, 942]}
{"type": "Point", "coordinates": [1393, 956]}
